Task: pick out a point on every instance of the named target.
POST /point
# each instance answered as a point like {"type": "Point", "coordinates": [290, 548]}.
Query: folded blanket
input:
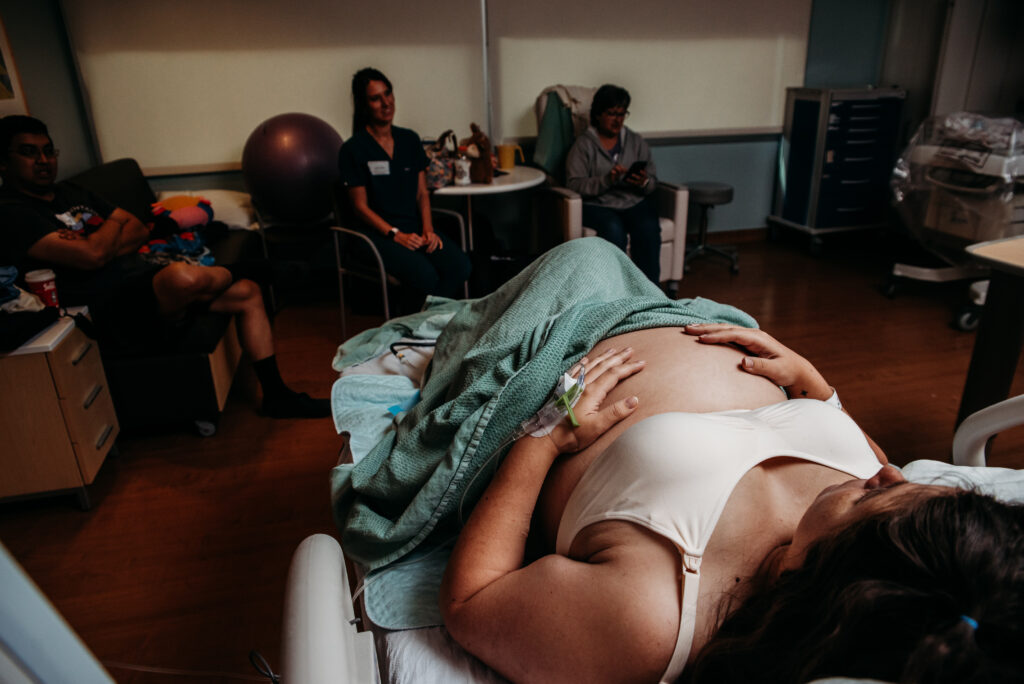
{"type": "Point", "coordinates": [495, 364]}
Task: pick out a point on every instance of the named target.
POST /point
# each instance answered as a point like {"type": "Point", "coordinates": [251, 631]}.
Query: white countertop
{"type": "Point", "coordinates": [47, 340]}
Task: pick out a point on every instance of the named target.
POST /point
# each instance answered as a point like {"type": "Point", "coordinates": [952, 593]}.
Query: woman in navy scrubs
{"type": "Point", "coordinates": [383, 166]}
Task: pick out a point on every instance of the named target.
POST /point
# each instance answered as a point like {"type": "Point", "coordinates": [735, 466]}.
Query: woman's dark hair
{"type": "Point", "coordinates": [606, 97]}
{"type": "Point", "coordinates": [360, 105]}
{"type": "Point", "coordinates": [16, 124]}
{"type": "Point", "coordinates": [890, 598]}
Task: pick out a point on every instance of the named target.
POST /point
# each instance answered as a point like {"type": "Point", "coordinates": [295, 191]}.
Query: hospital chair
{"type": "Point", "coordinates": [562, 113]}
{"type": "Point", "coordinates": [347, 241]}
{"type": "Point", "coordinates": [325, 638]}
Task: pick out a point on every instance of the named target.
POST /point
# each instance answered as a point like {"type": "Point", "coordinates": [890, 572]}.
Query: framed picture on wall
{"type": "Point", "coordinates": [12, 99]}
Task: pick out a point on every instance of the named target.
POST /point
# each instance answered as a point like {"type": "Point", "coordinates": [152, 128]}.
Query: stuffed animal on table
{"type": "Point", "coordinates": [478, 149]}
{"type": "Point", "coordinates": [175, 234]}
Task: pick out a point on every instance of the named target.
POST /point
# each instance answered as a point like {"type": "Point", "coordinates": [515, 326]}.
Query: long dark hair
{"type": "Point", "coordinates": [892, 598]}
{"type": "Point", "coordinates": [360, 106]}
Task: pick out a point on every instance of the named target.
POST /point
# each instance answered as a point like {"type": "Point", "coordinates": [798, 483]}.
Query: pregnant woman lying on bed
{"type": "Point", "coordinates": [699, 525]}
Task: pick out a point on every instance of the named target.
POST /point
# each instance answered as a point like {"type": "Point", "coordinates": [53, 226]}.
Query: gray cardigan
{"type": "Point", "coordinates": [588, 165]}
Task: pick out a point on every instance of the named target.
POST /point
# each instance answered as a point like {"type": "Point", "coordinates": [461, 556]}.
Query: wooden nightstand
{"type": "Point", "coordinates": [56, 414]}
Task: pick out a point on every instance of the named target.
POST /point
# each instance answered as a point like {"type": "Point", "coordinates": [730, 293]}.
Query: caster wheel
{"type": "Point", "coordinates": [735, 268]}
{"type": "Point", "coordinates": [206, 428]}
{"type": "Point", "coordinates": [967, 319]}
{"type": "Point", "coordinates": [889, 289]}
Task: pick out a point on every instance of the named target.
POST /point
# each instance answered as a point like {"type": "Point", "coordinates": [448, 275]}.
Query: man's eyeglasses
{"type": "Point", "coordinates": [36, 153]}
{"type": "Point", "coordinates": [617, 113]}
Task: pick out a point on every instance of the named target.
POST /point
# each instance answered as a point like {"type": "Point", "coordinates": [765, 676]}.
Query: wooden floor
{"type": "Point", "coordinates": [181, 563]}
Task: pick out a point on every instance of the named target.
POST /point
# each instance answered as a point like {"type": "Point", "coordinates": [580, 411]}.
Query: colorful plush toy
{"type": "Point", "coordinates": [174, 233]}
{"type": "Point", "coordinates": [187, 212]}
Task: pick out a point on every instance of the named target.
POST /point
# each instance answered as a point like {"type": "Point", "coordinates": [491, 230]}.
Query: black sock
{"type": "Point", "coordinates": [270, 377]}
{"type": "Point", "coordinates": [281, 402]}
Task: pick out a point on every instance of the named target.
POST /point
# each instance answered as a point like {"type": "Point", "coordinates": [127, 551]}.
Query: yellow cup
{"type": "Point", "coordinates": [507, 156]}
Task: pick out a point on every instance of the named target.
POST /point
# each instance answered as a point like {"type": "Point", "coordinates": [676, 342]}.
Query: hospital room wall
{"type": "Point", "coordinates": [40, 45]}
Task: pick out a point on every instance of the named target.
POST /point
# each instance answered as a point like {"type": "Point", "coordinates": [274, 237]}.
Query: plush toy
{"type": "Point", "coordinates": [187, 212]}
{"type": "Point", "coordinates": [174, 236]}
{"type": "Point", "coordinates": [478, 149]}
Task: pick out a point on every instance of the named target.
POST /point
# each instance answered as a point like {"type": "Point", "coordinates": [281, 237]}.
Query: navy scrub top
{"type": "Point", "coordinates": [391, 182]}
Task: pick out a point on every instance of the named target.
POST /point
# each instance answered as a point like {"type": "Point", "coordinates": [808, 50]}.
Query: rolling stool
{"type": "Point", "coordinates": [706, 195]}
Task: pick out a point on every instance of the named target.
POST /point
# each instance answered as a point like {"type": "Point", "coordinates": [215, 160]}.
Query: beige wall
{"type": "Point", "coordinates": [690, 65]}
{"type": "Point", "coordinates": [184, 82]}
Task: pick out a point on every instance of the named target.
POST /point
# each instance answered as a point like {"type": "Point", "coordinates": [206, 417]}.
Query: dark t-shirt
{"type": "Point", "coordinates": [24, 220]}
{"type": "Point", "coordinates": [391, 182]}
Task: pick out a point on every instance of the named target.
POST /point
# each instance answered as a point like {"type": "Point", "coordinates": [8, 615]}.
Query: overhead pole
{"type": "Point", "coordinates": [485, 52]}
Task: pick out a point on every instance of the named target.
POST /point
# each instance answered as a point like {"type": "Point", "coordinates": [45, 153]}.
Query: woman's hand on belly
{"type": "Point", "coordinates": [595, 417]}
{"type": "Point", "coordinates": [771, 359]}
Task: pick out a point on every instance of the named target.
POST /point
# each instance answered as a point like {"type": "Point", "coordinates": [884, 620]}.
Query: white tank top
{"type": "Point", "coordinates": [673, 473]}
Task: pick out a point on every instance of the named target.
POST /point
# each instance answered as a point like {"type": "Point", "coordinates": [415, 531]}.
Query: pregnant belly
{"type": "Point", "coordinates": [681, 375]}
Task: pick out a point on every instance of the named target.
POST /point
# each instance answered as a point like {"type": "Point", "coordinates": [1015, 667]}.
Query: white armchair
{"type": "Point", "coordinates": [673, 202]}
{"type": "Point", "coordinates": [563, 113]}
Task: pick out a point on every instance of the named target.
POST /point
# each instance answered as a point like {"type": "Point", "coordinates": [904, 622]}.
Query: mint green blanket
{"type": "Point", "coordinates": [496, 362]}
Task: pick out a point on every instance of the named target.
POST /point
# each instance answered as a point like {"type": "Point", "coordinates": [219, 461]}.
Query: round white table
{"type": "Point", "coordinates": [519, 178]}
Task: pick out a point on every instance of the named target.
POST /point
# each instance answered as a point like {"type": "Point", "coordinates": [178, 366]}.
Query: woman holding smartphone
{"type": "Point", "coordinates": [610, 166]}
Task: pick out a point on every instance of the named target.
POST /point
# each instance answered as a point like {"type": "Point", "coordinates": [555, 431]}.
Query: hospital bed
{"type": "Point", "coordinates": [327, 637]}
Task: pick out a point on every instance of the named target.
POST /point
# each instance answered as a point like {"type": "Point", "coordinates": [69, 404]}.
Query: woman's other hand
{"type": "Point", "coordinates": [602, 374]}
{"type": "Point", "coordinates": [616, 173]}
{"type": "Point", "coordinates": [433, 241]}
{"type": "Point", "coordinates": [770, 359]}
{"type": "Point", "coordinates": [410, 241]}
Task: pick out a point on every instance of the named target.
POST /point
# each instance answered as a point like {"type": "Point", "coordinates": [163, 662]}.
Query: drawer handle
{"type": "Point", "coordinates": [103, 438]}
{"type": "Point", "coordinates": [859, 181]}
{"type": "Point", "coordinates": [861, 130]}
{"type": "Point", "coordinates": [865, 118]}
{"type": "Point", "coordinates": [81, 354]}
{"type": "Point", "coordinates": [92, 396]}
{"type": "Point", "coordinates": [850, 209]}
{"type": "Point", "coordinates": [858, 159]}
{"type": "Point", "coordinates": [861, 142]}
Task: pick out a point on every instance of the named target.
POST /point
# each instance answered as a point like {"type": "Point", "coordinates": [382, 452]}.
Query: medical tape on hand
{"type": "Point", "coordinates": [567, 392]}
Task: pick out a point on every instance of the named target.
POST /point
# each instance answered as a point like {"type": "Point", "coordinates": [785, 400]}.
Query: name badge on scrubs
{"type": "Point", "coordinates": [379, 168]}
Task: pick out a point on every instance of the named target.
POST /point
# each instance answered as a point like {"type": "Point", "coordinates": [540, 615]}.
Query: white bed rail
{"type": "Point", "coordinates": [972, 436]}
{"type": "Point", "coordinates": [320, 640]}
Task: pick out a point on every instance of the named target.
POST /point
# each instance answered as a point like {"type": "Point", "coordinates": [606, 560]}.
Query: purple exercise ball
{"type": "Point", "coordinates": [290, 166]}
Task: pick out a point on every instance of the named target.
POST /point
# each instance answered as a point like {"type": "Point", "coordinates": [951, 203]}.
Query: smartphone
{"type": "Point", "coordinates": [637, 167]}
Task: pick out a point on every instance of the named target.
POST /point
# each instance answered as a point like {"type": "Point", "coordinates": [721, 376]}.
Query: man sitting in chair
{"type": "Point", "coordinates": [92, 246]}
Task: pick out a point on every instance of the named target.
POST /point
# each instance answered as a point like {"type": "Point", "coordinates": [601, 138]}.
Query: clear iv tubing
{"type": "Point", "coordinates": [516, 434]}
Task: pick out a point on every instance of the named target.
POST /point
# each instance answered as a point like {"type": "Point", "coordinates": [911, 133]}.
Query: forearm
{"type": "Point", "coordinates": [493, 542]}
{"type": "Point", "coordinates": [134, 233]}
{"type": "Point", "coordinates": [366, 215]}
{"type": "Point", "coordinates": [423, 201]}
